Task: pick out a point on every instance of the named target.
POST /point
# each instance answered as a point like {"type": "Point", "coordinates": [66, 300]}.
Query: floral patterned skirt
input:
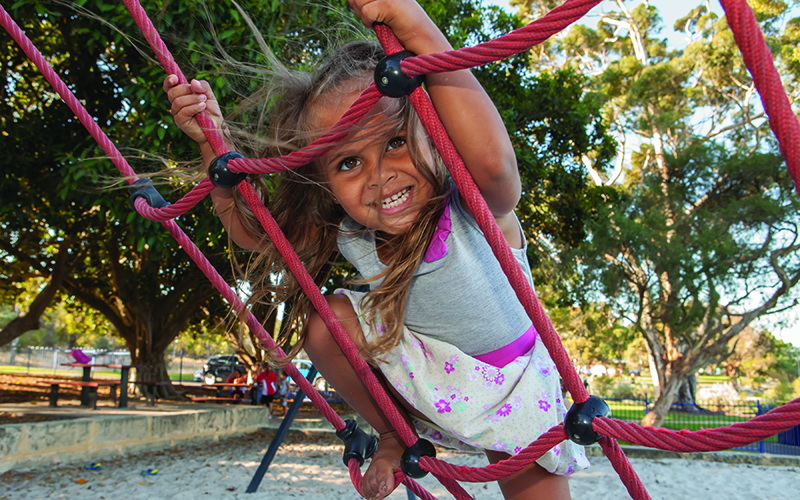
{"type": "Point", "coordinates": [475, 406]}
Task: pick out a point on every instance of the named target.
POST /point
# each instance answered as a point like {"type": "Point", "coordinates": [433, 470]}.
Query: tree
{"type": "Point", "coordinates": [127, 268]}
{"type": "Point", "coordinates": [700, 237]}
{"type": "Point", "coordinates": [757, 354]}
{"type": "Point", "coordinates": [60, 221]}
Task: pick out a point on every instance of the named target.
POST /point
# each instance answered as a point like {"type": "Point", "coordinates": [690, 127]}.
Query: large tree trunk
{"type": "Point", "coordinates": [675, 376]}
{"type": "Point", "coordinates": [687, 394]}
{"type": "Point", "coordinates": [658, 413]}
{"type": "Point", "coordinates": [148, 349]}
{"type": "Point", "coordinates": [153, 368]}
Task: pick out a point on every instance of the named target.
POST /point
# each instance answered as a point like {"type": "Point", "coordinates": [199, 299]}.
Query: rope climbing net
{"type": "Point", "coordinates": [587, 421]}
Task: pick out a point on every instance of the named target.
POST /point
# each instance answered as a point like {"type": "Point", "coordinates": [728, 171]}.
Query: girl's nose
{"type": "Point", "coordinates": [381, 173]}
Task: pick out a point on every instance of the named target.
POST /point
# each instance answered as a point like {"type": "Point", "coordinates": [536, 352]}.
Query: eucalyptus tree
{"type": "Point", "coordinates": [697, 236]}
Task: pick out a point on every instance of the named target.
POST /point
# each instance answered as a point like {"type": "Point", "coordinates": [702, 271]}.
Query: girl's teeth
{"type": "Point", "coordinates": [396, 199]}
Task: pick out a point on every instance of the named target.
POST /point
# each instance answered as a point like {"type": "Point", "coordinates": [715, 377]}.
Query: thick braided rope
{"type": "Point", "coordinates": [721, 438]}
{"type": "Point", "coordinates": [493, 472]}
{"type": "Point", "coordinates": [494, 236]}
{"type": "Point", "coordinates": [503, 46]}
{"type": "Point", "coordinates": [66, 94]}
{"type": "Point", "coordinates": [781, 426]}
{"type": "Point", "coordinates": [297, 268]}
{"type": "Point", "coordinates": [758, 59]}
{"type": "Point", "coordinates": [168, 63]}
{"type": "Point", "coordinates": [623, 468]}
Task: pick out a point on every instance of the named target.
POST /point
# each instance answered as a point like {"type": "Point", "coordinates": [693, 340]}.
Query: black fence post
{"type": "Point", "coordinates": [280, 435]}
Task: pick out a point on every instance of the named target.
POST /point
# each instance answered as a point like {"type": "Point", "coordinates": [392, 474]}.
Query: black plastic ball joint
{"type": "Point", "coordinates": [390, 79]}
{"type": "Point", "coordinates": [220, 175]}
{"type": "Point", "coordinates": [144, 188]}
{"type": "Point", "coordinates": [578, 422]}
{"type": "Point", "coordinates": [409, 462]}
{"type": "Point", "coordinates": [357, 443]}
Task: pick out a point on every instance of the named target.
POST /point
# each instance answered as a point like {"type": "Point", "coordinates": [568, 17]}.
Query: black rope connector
{"type": "Point", "coordinates": [357, 443]}
{"type": "Point", "coordinates": [391, 81]}
{"type": "Point", "coordinates": [144, 188]}
{"type": "Point", "coordinates": [409, 462]}
{"type": "Point", "coordinates": [578, 421]}
{"type": "Point", "coordinates": [220, 175]}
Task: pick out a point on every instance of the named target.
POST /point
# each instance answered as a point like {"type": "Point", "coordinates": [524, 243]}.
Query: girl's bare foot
{"type": "Point", "coordinates": [378, 481]}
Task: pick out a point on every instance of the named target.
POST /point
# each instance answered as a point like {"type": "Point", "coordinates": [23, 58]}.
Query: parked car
{"type": "Point", "coordinates": [218, 367]}
{"type": "Point", "coordinates": [303, 366]}
{"type": "Point", "coordinates": [198, 375]}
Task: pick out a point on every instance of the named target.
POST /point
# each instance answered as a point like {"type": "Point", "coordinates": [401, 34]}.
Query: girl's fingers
{"type": "Point", "coordinates": [169, 82]}
{"type": "Point", "coordinates": [186, 114]}
{"type": "Point", "coordinates": [191, 100]}
{"type": "Point", "coordinates": [202, 87]}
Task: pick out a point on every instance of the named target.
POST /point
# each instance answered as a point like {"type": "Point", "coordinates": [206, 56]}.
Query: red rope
{"type": "Point", "coordinates": [782, 120]}
{"type": "Point", "coordinates": [624, 469]}
{"type": "Point", "coordinates": [758, 60]}
{"type": "Point", "coordinates": [721, 438]}
{"type": "Point", "coordinates": [191, 249]}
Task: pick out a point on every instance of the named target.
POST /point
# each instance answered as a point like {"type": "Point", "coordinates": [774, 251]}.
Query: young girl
{"type": "Point", "coordinates": [440, 323]}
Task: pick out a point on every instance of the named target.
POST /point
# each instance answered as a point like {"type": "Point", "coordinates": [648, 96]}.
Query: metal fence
{"type": "Point", "coordinates": [52, 359]}
{"type": "Point", "coordinates": [694, 417]}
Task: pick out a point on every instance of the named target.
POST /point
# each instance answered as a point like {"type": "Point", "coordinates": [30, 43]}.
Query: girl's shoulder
{"type": "Point", "coordinates": [463, 221]}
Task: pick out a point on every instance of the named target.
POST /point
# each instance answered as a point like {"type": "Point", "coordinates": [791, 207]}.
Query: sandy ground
{"type": "Point", "coordinates": [310, 467]}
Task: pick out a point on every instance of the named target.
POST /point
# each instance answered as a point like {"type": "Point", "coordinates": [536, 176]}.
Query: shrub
{"type": "Point", "coordinates": [718, 394]}
{"type": "Point", "coordinates": [779, 393]}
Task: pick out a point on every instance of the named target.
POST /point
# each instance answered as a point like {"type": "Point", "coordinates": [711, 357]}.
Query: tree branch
{"type": "Point", "coordinates": [30, 320]}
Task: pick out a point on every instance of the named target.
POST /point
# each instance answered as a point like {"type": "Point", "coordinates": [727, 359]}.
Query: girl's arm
{"type": "Point", "coordinates": [186, 101]}
{"type": "Point", "coordinates": [467, 112]}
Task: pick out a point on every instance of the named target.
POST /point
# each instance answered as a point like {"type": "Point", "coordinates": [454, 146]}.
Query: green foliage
{"type": "Point", "coordinates": [700, 236]}
{"type": "Point", "coordinates": [619, 388]}
{"type": "Point", "coordinates": [56, 187]}
{"type": "Point", "coordinates": [779, 393]}
{"type": "Point", "coordinates": [590, 335]}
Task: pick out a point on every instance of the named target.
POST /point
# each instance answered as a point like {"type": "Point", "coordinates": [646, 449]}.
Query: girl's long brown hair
{"type": "Point", "coordinates": [304, 208]}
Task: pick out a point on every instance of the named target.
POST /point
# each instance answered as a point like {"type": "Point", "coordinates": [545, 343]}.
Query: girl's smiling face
{"type": "Point", "coordinates": [371, 172]}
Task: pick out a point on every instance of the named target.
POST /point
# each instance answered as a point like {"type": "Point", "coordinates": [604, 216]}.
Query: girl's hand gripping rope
{"type": "Point", "coordinates": [188, 99]}
{"type": "Point", "coordinates": [463, 106]}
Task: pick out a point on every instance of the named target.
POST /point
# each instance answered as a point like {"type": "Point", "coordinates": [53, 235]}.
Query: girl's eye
{"type": "Point", "coordinates": [349, 163]}
{"type": "Point", "coordinates": [396, 142]}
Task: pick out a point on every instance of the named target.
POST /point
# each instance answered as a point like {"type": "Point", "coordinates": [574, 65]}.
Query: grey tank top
{"type": "Point", "coordinates": [464, 298]}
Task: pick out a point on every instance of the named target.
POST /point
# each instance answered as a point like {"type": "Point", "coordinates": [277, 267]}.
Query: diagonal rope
{"type": "Point", "coordinates": [177, 233]}
{"type": "Point", "coordinates": [758, 59]}
{"type": "Point", "coordinates": [759, 62]}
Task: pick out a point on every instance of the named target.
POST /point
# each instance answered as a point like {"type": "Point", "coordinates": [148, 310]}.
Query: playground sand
{"type": "Point", "coordinates": [310, 466]}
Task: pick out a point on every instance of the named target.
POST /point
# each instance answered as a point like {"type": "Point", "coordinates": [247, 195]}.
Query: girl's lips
{"type": "Point", "coordinates": [403, 200]}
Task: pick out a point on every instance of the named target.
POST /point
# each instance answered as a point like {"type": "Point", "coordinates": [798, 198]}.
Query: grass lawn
{"type": "Point", "coordinates": [62, 371]}
{"type": "Point", "coordinates": [65, 371]}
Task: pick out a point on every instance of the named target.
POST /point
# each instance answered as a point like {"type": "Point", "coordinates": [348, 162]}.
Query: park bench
{"type": "Point", "coordinates": [91, 386]}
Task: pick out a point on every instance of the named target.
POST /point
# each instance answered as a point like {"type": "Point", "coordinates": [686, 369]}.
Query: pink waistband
{"type": "Point", "coordinates": [508, 353]}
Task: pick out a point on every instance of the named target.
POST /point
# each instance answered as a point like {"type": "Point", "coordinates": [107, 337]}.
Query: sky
{"type": "Point", "coordinates": [786, 327]}
{"type": "Point", "coordinates": [669, 10]}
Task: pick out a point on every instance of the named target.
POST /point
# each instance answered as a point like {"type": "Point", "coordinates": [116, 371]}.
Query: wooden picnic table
{"type": "Point", "coordinates": [124, 376]}
{"type": "Point", "coordinates": [222, 385]}
{"type": "Point", "coordinates": [91, 386]}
